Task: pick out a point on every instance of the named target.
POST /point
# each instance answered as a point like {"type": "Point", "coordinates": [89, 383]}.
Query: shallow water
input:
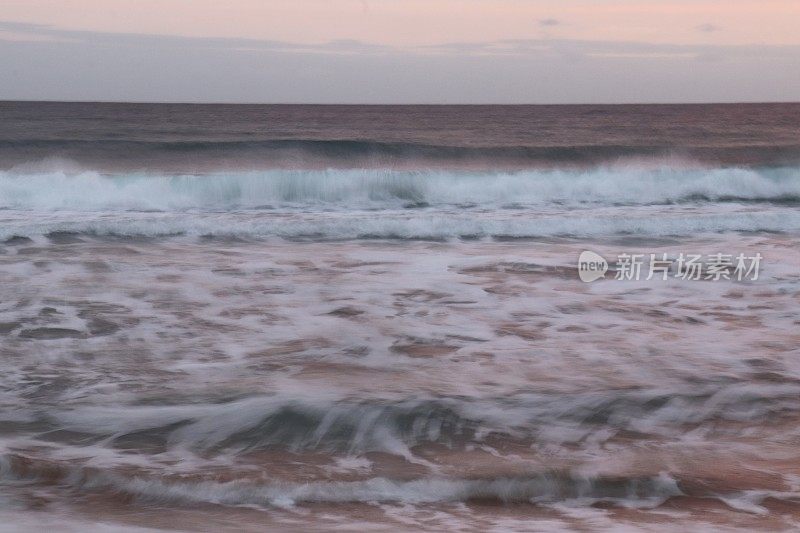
{"type": "Point", "coordinates": [180, 372]}
{"type": "Point", "coordinates": [392, 349]}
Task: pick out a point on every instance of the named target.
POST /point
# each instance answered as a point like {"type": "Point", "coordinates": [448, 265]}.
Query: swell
{"type": "Point", "coordinates": [354, 152]}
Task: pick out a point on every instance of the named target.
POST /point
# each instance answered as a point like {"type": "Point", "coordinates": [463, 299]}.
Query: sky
{"type": "Point", "coordinates": [401, 51]}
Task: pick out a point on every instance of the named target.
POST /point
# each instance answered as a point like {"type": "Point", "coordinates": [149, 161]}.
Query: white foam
{"type": "Point", "coordinates": [613, 185]}
{"type": "Point", "coordinates": [350, 204]}
{"type": "Point", "coordinates": [397, 224]}
{"type": "Point", "coordinates": [546, 487]}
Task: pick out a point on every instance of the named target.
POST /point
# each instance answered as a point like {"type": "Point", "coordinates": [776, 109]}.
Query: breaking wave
{"type": "Point", "coordinates": [624, 185]}
{"type": "Point", "coordinates": [386, 204]}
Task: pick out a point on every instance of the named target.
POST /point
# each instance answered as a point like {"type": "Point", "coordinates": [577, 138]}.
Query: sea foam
{"type": "Point", "coordinates": [607, 185]}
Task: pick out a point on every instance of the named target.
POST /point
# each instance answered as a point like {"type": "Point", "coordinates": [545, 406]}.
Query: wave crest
{"type": "Point", "coordinates": [614, 186]}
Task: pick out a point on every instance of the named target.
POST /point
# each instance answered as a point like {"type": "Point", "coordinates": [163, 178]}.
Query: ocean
{"type": "Point", "coordinates": [307, 318]}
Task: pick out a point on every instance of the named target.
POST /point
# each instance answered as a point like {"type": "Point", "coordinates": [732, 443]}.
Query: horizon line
{"type": "Point", "coordinates": [404, 104]}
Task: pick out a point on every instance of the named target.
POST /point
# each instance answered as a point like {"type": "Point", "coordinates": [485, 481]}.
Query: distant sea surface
{"type": "Point", "coordinates": [238, 317]}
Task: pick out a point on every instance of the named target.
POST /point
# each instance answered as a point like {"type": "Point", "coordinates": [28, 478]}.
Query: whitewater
{"type": "Point", "coordinates": [300, 318]}
{"type": "Point", "coordinates": [352, 204]}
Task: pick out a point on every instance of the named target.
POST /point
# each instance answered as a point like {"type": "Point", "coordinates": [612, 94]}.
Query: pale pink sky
{"type": "Point", "coordinates": [401, 51]}
{"type": "Point", "coordinates": [422, 22]}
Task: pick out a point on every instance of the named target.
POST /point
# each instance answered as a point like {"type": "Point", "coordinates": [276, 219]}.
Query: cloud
{"type": "Point", "coordinates": [84, 65]}
{"type": "Point", "coordinates": [549, 22]}
{"type": "Point", "coordinates": [37, 32]}
{"type": "Point", "coordinates": [509, 47]}
{"type": "Point", "coordinates": [708, 28]}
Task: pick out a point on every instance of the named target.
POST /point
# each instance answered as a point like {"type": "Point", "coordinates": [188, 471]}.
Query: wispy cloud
{"type": "Point", "coordinates": [571, 48]}
{"type": "Point", "coordinates": [576, 49]}
{"type": "Point", "coordinates": [39, 32]}
{"type": "Point", "coordinates": [45, 62]}
{"type": "Point", "coordinates": [549, 22]}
